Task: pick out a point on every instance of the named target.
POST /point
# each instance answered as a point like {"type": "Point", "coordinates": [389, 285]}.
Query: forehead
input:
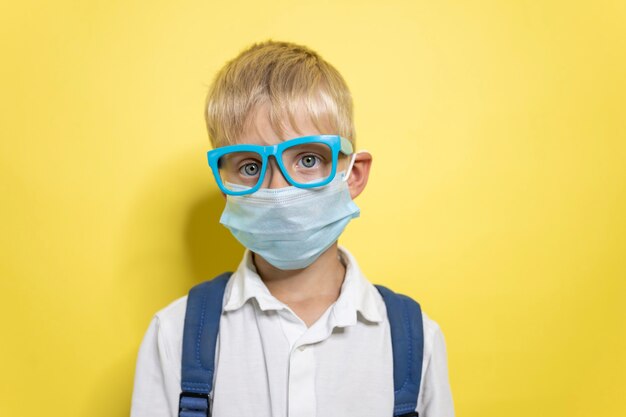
{"type": "Point", "coordinates": [260, 129]}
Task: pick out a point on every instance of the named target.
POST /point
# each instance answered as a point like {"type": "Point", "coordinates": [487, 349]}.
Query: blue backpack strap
{"type": "Point", "coordinates": [202, 322]}
{"type": "Point", "coordinates": [407, 339]}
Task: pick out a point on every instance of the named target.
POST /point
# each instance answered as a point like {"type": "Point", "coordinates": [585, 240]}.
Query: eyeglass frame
{"type": "Point", "coordinates": [336, 144]}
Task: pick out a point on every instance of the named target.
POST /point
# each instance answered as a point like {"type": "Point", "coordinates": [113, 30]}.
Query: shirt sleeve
{"type": "Point", "coordinates": [151, 392]}
{"type": "Point", "coordinates": [436, 396]}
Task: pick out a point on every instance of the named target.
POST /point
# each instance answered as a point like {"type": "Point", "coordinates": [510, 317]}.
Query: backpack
{"type": "Point", "coordinates": [202, 318]}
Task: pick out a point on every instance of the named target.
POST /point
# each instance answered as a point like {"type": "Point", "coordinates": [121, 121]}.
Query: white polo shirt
{"type": "Point", "coordinates": [270, 364]}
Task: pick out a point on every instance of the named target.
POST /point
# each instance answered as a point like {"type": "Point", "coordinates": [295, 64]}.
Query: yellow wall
{"type": "Point", "coordinates": [497, 198]}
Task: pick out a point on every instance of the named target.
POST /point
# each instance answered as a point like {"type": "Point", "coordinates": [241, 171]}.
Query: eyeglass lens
{"type": "Point", "coordinates": [305, 163]}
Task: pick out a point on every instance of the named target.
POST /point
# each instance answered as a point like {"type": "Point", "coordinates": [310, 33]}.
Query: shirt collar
{"type": "Point", "coordinates": [357, 293]}
{"type": "Point", "coordinates": [246, 284]}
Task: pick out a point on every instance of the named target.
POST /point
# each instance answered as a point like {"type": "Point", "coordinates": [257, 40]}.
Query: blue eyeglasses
{"type": "Point", "coordinates": [305, 162]}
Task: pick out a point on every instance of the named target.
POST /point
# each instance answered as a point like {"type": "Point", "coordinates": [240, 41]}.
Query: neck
{"type": "Point", "coordinates": [323, 278]}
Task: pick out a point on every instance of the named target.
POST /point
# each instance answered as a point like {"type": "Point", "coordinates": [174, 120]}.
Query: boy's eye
{"type": "Point", "coordinates": [309, 161]}
{"type": "Point", "coordinates": [250, 169]}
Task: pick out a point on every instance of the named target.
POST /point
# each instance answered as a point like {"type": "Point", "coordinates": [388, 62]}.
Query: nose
{"type": "Point", "coordinates": [274, 177]}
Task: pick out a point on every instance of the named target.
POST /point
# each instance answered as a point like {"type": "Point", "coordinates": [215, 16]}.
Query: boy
{"type": "Point", "coordinates": [302, 332]}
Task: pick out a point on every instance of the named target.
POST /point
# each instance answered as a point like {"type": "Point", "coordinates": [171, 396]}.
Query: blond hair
{"type": "Point", "coordinates": [285, 76]}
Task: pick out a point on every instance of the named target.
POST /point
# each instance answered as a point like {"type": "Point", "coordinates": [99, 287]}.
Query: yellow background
{"type": "Point", "coordinates": [497, 196]}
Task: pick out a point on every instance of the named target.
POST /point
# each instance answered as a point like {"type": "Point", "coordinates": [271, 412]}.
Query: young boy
{"type": "Point", "coordinates": [302, 331]}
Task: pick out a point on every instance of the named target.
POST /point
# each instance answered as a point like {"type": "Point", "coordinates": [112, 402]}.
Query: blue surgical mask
{"type": "Point", "coordinates": [290, 227]}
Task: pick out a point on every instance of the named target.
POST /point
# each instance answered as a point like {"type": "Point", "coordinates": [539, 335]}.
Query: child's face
{"type": "Point", "coordinates": [259, 131]}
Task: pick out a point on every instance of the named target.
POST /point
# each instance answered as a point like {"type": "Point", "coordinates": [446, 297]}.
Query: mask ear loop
{"type": "Point", "coordinates": [351, 165]}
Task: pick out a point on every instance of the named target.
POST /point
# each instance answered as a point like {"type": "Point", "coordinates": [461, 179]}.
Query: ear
{"type": "Point", "coordinates": [360, 173]}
